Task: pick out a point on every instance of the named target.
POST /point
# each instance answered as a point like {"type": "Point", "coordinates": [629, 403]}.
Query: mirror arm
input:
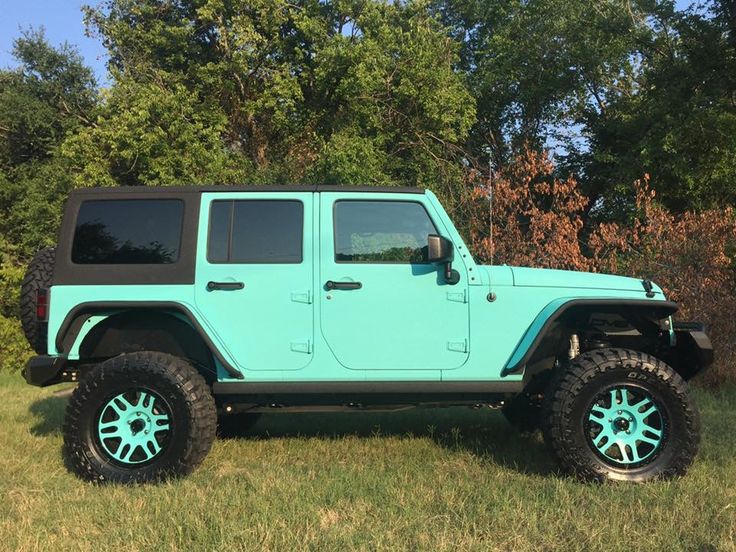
{"type": "Point", "coordinates": [452, 276]}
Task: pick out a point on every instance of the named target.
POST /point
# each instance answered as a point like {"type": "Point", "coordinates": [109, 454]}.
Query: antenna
{"type": "Point", "coordinates": [491, 295]}
{"type": "Point", "coordinates": [490, 202]}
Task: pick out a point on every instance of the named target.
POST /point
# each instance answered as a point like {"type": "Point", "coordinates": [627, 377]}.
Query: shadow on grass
{"type": "Point", "coordinates": [50, 414]}
{"type": "Point", "coordinates": [483, 433]}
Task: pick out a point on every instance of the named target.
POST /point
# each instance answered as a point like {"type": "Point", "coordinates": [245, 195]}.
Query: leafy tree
{"type": "Point", "coordinates": [48, 96]}
{"type": "Point", "coordinates": [678, 123]}
{"type": "Point", "coordinates": [151, 133]}
{"type": "Point", "coordinates": [536, 67]}
{"type": "Point", "coordinates": [346, 91]}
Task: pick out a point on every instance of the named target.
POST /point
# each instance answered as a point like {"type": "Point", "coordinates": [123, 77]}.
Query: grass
{"type": "Point", "coordinates": [445, 479]}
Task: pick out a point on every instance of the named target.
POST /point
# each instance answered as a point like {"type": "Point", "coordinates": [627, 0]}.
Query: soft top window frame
{"type": "Point", "coordinates": [182, 271]}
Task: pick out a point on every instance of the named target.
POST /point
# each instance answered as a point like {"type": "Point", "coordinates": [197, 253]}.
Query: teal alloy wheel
{"type": "Point", "coordinates": [626, 426]}
{"type": "Point", "coordinates": [133, 427]}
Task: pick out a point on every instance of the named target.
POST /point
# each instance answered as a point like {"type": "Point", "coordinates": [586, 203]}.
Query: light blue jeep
{"type": "Point", "coordinates": [178, 309]}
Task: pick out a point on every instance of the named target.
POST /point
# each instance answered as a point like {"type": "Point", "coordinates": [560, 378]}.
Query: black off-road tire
{"type": "Point", "coordinates": [39, 275]}
{"type": "Point", "coordinates": [186, 394]}
{"type": "Point", "coordinates": [570, 395]}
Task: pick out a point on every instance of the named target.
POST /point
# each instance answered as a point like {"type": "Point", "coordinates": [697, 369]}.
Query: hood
{"type": "Point", "coordinates": [544, 277]}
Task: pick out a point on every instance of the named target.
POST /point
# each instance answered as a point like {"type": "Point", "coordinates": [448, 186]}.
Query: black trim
{"type": "Point", "coordinates": [180, 272]}
{"type": "Point", "coordinates": [330, 285]}
{"type": "Point", "coordinates": [87, 308]}
{"type": "Point", "coordinates": [196, 188]}
{"type": "Point", "coordinates": [656, 310]}
{"type": "Point", "coordinates": [43, 370]}
{"type": "Point", "coordinates": [403, 388]}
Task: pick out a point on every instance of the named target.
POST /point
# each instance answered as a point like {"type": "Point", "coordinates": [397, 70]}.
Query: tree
{"type": "Point", "coordinates": [347, 91]}
{"type": "Point", "coordinates": [48, 96]}
{"type": "Point", "coordinates": [536, 67]}
{"type": "Point", "coordinates": [679, 123]}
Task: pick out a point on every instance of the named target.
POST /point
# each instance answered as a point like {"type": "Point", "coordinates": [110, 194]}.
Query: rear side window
{"type": "Point", "coordinates": [381, 232]}
{"type": "Point", "coordinates": [130, 231]}
{"type": "Point", "coordinates": [256, 231]}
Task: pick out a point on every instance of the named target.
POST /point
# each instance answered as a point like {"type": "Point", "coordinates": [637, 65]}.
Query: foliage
{"type": "Point", "coordinates": [677, 121]}
{"type": "Point", "coordinates": [618, 88]}
{"type": "Point", "coordinates": [350, 91]}
{"type": "Point", "coordinates": [14, 349]}
{"type": "Point", "coordinates": [153, 133]}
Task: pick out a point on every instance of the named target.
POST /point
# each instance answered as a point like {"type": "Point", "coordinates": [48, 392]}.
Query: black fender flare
{"type": "Point", "coordinates": [72, 324]}
{"type": "Point", "coordinates": [651, 309]}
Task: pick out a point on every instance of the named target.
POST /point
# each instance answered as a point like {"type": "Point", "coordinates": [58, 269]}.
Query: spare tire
{"type": "Point", "coordinates": [38, 276]}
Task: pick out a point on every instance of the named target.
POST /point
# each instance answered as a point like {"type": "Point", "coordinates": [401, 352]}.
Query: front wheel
{"type": "Point", "coordinates": [622, 415]}
{"type": "Point", "coordinates": [139, 417]}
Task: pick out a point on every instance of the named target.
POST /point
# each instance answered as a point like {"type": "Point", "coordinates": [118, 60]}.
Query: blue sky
{"type": "Point", "coordinates": [62, 20]}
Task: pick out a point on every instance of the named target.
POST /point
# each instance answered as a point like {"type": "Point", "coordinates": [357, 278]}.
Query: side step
{"type": "Point", "coordinates": [269, 394]}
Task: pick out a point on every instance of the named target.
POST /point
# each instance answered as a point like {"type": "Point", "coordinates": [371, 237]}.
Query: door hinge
{"type": "Point", "coordinates": [458, 346]}
{"type": "Point", "coordinates": [458, 296]}
{"type": "Point", "coordinates": [302, 297]}
{"type": "Point", "coordinates": [301, 346]}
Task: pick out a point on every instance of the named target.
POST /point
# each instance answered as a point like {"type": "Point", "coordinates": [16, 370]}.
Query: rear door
{"type": "Point", "coordinates": [383, 307]}
{"type": "Point", "coordinates": [254, 279]}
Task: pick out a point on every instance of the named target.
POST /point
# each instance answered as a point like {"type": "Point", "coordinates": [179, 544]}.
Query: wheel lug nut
{"type": "Point", "coordinates": [619, 412]}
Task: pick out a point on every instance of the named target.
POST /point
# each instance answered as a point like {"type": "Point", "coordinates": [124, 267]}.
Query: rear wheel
{"type": "Point", "coordinates": [620, 414]}
{"type": "Point", "coordinates": [139, 417]}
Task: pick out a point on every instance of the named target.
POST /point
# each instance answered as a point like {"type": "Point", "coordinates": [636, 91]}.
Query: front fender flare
{"type": "Point", "coordinates": [653, 309]}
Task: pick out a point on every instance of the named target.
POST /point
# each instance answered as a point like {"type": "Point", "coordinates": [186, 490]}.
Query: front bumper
{"type": "Point", "coordinates": [44, 370]}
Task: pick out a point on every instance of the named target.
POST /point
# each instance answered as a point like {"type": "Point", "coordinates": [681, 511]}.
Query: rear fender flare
{"type": "Point", "coordinates": [75, 318]}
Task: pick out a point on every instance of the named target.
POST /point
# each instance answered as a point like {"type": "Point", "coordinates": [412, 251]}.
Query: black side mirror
{"type": "Point", "coordinates": [440, 251]}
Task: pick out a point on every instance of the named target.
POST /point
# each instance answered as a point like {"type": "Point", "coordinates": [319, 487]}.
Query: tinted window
{"type": "Point", "coordinates": [256, 231]}
{"type": "Point", "coordinates": [381, 231]}
{"type": "Point", "coordinates": [131, 231]}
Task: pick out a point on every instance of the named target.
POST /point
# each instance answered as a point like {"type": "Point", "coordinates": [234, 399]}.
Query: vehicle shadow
{"type": "Point", "coordinates": [483, 433]}
{"type": "Point", "coordinates": [49, 414]}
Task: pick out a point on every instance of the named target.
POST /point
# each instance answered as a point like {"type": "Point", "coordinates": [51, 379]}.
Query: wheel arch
{"type": "Point", "coordinates": [166, 327]}
{"type": "Point", "coordinates": [550, 329]}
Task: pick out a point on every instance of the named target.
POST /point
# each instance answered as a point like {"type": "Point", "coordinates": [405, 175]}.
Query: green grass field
{"type": "Point", "coordinates": [447, 479]}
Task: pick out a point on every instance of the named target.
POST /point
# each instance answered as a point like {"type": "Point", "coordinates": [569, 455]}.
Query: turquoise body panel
{"type": "Point", "coordinates": [276, 302]}
{"type": "Point", "coordinates": [404, 321]}
{"type": "Point", "coordinates": [403, 324]}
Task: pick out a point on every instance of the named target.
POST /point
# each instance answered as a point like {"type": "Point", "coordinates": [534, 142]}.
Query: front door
{"type": "Point", "coordinates": [254, 280]}
{"type": "Point", "coordinates": [383, 307]}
